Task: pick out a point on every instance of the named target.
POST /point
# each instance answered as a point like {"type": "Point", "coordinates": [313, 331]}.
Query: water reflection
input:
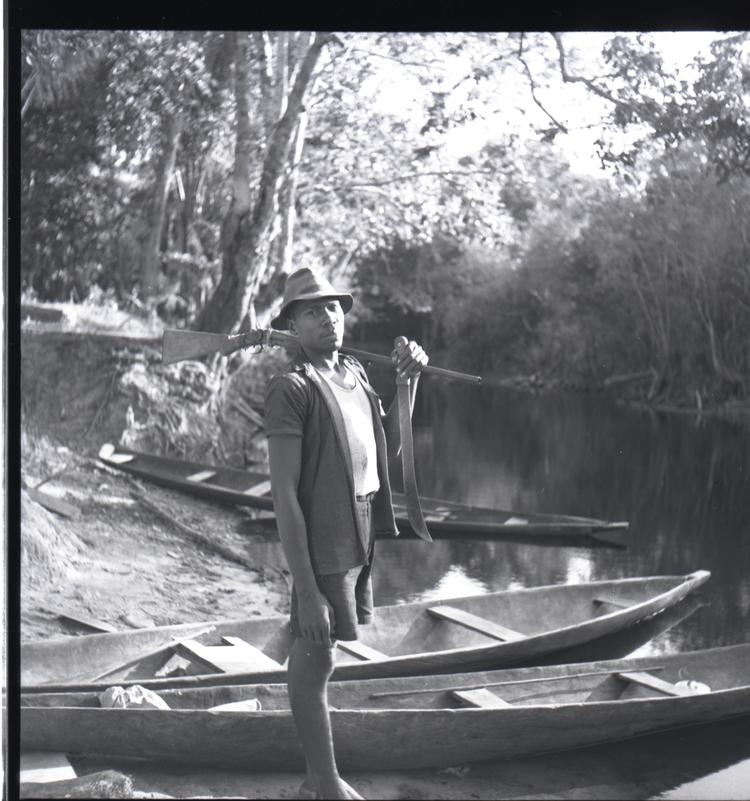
{"type": "Point", "coordinates": [730, 783]}
{"type": "Point", "coordinates": [454, 582]}
{"type": "Point", "coordinates": [683, 484]}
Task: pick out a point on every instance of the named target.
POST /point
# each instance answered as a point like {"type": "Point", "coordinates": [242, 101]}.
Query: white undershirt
{"type": "Point", "coordinates": [357, 413]}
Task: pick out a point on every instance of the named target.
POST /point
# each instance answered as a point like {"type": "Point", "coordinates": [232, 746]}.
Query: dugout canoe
{"type": "Point", "coordinates": [417, 722]}
{"type": "Point", "coordinates": [252, 487]}
{"type": "Point", "coordinates": [478, 632]}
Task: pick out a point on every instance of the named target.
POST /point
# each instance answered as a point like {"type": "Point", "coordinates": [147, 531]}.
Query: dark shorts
{"type": "Point", "coordinates": [349, 593]}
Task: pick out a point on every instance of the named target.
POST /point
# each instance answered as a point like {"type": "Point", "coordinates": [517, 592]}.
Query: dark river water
{"type": "Point", "coordinates": [683, 484]}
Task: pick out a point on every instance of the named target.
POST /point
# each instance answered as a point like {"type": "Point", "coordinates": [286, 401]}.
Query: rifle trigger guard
{"type": "Point", "coordinates": [250, 341]}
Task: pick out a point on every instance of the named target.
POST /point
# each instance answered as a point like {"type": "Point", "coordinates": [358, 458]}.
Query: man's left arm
{"type": "Point", "coordinates": [409, 359]}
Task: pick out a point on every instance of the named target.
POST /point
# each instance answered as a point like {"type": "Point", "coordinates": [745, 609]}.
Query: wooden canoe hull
{"type": "Point", "coordinates": [396, 738]}
{"type": "Point", "coordinates": [230, 485]}
{"type": "Point", "coordinates": [553, 618]}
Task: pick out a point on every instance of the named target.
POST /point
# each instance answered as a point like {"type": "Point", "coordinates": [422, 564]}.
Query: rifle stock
{"type": "Point", "coordinates": [178, 345]}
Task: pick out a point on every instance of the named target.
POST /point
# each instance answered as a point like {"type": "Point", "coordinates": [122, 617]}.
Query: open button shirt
{"type": "Point", "coordinates": [300, 403]}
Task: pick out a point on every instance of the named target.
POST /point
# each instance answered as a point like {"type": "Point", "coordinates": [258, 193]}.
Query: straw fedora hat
{"type": "Point", "coordinates": [304, 284]}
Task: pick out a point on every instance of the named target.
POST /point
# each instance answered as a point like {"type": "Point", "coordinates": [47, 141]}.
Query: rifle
{"type": "Point", "coordinates": [178, 345]}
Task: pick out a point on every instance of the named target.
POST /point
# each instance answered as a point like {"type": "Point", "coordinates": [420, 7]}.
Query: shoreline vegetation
{"type": "Point", "coordinates": [111, 387]}
{"type": "Point", "coordinates": [181, 175]}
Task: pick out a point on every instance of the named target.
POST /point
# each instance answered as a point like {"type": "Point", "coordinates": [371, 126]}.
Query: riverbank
{"type": "Point", "coordinates": [120, 561]}
{"type": "Point", "coordinates": [737, 411]}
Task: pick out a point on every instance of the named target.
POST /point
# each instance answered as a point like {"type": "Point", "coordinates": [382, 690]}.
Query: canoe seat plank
{"type": "Point", "coordinates": [360, 650]}
{"type": "Point", "coordinates": [235, 657]}
{"type": "Point", "coordinates": [263, 488]}
{"type": "Point", "coordinates": [45, 766]}
{"type": "Point", "coordinates": [202, 475]}
{"type": "Point", "coordinates": [476, 623]}
{"type": "Point", "coordinates": [613, 687]}
{"type": "Point", "coordinates": [479, 699]}
{"type": "Point", "coordinates": [611, 602]}
{"type": "Point", "coordinates": [248, 705]}
{"type": "Point", "coordinates": [654, 683]}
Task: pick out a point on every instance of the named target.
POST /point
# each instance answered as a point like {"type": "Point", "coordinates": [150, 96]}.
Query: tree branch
{"type": "Point", "coordinates": [431, 64]}
{"type": "Point", "coordinates": [532, 87]}
{"type": "Point", "coordinates": [588, 82]}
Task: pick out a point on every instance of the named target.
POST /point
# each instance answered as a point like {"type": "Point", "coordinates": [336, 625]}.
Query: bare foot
{"type": "Point", "coordinates": [343, 791]}
{"type": "Point", "coordinates": [350, 791]}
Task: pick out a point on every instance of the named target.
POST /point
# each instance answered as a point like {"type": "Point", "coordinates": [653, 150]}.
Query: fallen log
{"type": "Point", "coordinates": [625, 378]}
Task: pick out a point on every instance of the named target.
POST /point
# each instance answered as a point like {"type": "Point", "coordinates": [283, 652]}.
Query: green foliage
{"type": "Point", "coordinates": [656, 283]}
{"type": "Point", "coordinates": [711, 109]}
{"type": "Point", "coordinates": [500, 253]}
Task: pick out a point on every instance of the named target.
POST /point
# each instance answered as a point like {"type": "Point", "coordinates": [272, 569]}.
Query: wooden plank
{"type": "Point", "coordinates": [120, 458]}
{"type": "Point", "coordinates": [239, 656]}
{"type": "Point", "coordinates": [360, 650]}
{"type": "Point", "coordinates": [45, 314]}
{"type": "Point", "coordinates": [202, 475]}
{"type": "Point", "coordinates": [479, 698]}
{"type": "Point", "coordinates": [53, 503]}
{"type": "Point", "coordinates": [655, 683]}
{"type": "Point", "coordinates": [104, 784]}
{"type": "Point", "coordinates": [476, 623]}
{"type": "Point", "coordinates": [248, 705]}
{"type": "Point", "coordinates": [258, 489]}
{"type": "Point", "coordinates": [45, 766]}
{"type": "Point", "coordinates": [85, 622]}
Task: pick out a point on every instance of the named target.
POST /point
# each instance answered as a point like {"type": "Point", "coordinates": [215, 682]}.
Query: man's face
{"type": "Point", "coordinates": [319, 324]}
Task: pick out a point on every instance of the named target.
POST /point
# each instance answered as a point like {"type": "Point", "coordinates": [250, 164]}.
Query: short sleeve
{"type": "Point", "coordinates": [285, 407]}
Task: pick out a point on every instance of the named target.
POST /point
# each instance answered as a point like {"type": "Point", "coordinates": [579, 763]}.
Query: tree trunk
{"type": "Point", "coordinates": [245, 234]}
{"type": "Point", "coordinates": [157, 212]}
{"type": "Point", "coordinates": [288, 195]}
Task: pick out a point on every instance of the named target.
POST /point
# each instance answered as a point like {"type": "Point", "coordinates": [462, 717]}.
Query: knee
{"type": "Point", "coordinates": [320, 659]}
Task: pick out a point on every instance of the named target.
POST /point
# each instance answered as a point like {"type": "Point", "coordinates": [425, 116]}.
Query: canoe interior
{"type": "Point", "coordinates": [236, 486]}
{"type": "Point", "coordinates": [397, 631]}
{"type": "Point", "coordinates": [726, 668]}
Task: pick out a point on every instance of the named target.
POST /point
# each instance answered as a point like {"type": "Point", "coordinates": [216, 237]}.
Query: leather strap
{"type": "Point", "coordinates": [413, 508]}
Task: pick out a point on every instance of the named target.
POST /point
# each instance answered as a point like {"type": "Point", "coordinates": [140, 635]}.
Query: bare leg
{"type": "Point", "coordinates": [310, 667]}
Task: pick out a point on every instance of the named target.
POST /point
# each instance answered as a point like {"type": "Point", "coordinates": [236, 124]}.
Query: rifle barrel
{"type": "Point", "coordinates": [282, 337]}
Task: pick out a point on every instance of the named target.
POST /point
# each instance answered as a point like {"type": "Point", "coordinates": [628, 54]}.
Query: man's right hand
{"type": "Point", "coordinates": [315, 618]}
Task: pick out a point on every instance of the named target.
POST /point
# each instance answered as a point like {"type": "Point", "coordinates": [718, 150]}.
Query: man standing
{"type": "Point", "coordinates": [329, 441]}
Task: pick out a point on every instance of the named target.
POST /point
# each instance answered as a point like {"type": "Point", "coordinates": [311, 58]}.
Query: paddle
{"type": "Point", "coordinates": [502, 683]}
{"type": "Point", "coordinates": [178, 345]}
